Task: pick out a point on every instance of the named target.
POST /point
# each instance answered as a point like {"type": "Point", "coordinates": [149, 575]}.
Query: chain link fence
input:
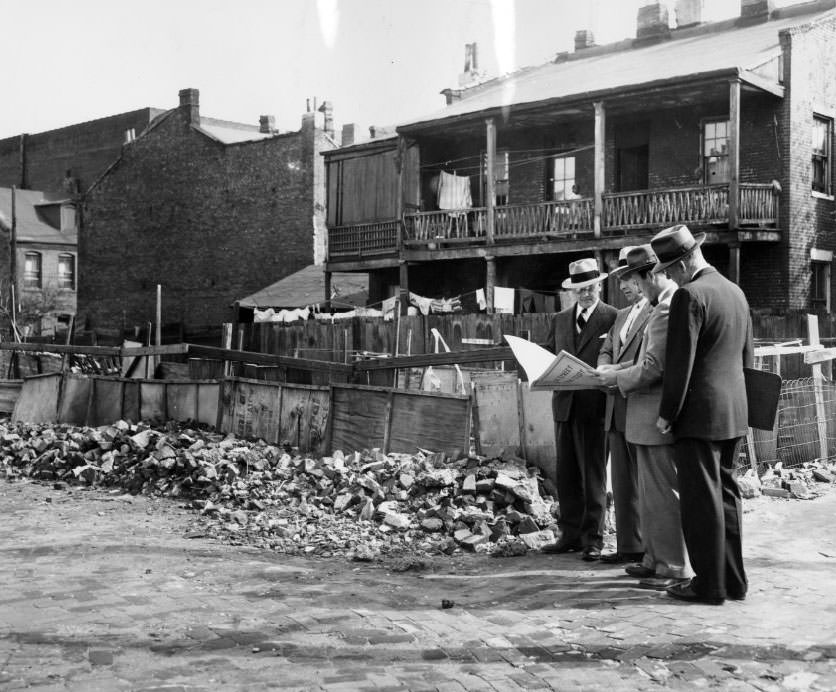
{"type": "Point", "coordinates": [805, 427]}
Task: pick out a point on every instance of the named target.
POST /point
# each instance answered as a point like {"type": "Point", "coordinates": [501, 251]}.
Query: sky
{"type": "Point", "coordinates": [379, 62]}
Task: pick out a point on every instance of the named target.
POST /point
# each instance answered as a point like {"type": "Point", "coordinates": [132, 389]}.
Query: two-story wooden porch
{"type": "Point", "coordinates": [556, 177]}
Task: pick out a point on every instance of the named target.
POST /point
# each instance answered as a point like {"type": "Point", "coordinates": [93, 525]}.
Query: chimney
{"type": "Point", "coordinates": [452, 95]}
{"type": "Point", "coordinates": [267, 123]}
{"type": "Point", "coordinates": [372, 131]}
{"type": "Point", "coordinates": [584, 39]}
{"type": "Point", "coordinates": [327, 109]}
{"type": "Point", "coordinates": [190, 105]}
{"type": "Point", "coordinates": [348, 135]}
{"type": "Point", "coordinates": [688, 12]}
{"type": "Point", "coordinates": [652, 22]}
{"type": "Point", "coordinates": [471, 73]}
{"type": "Point", "coordinates": [754, 11]}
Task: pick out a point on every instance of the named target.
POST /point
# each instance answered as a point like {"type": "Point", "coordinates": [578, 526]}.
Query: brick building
{"type": "Point", "coordinates": [38, 249]}
{"type": "Point", "coordinates": [209, 209]}
{"type": "Point", "coordinates": [725, 126]}
{"type": "Point", "coordinates": [69, 158]}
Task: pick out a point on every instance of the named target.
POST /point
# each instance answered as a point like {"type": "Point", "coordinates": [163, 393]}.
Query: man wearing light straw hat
{"type": "Point", "coordinates": [579, 417]}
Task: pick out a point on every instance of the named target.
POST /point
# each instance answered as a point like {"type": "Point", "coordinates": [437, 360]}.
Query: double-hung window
{"type": "Point", "coordinates": [822, 128]}
{"type": "Point", "coordinates": [32, 270]}
{"type": "Point", "coordinates": [715, 151]}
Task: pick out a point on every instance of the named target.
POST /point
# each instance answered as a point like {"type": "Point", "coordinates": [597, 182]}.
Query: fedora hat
{"type": "Point", "coordinates": [582, 273]}
{"type": "Point", "coordinates": [622, 262]}
{"type": "Point", "coordinates": [672, 244]}
{"type": "Point", "coordinates": [639, 258]}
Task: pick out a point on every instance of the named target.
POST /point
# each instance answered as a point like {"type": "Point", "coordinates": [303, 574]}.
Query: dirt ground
{"type": "Point", "coordinates": [107, 591]}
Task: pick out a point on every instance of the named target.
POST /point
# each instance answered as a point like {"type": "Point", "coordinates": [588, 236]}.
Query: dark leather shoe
{"type": "Point", "coordinates": [591, 553]}
{"type": "Point", "coordinates": [685, 592]}
{"type": "Point", "coordinates": [640, 571]}
{"type": "Point", "coordinates": [561, 546]}
{"type": "Point", "coordinates": [619, 558]}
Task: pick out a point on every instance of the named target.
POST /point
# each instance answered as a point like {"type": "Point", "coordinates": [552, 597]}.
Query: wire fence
{"type": "Point", "coordinates": [805, 427]}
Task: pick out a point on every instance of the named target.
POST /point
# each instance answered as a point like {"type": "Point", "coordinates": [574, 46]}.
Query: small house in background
{"type": "Point", "coordinates": [725, 126]}
{"type": "Point", "coordinates": [39, 270]}
{"type": "Point", "coordinates": [210, 210]}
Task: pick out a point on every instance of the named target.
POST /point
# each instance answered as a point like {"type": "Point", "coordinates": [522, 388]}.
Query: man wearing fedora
{"type": "Point", "coordinates": [579, 417]}
{"type": "Point", "coordinates": [619, 350]}
{"type": "Point", "coordinates": [665, 560]}
{"type": "Point", "coordinates": [703, 408]}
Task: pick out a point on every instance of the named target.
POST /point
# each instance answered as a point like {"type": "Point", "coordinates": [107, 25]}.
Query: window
{"type": "Point", "coordinates": [68, 220]}
{"type": "Point", "coordinates": [821, 154]}
{"type": "Point", "coordinates": [820, 296]}
{"type": "Point", "coordinates": [66, 272]}
{"type": "Point", "coordinates": [32, 270]}
{"type": "Point", "coordinates": [501, 168]}
{"type": "Point", "coordinates": [563, 178]}
{"type": "Point", "coordinates": [715, 151]}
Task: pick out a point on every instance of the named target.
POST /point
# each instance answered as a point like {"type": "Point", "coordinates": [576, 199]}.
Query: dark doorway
{"type": "Point", "coordinates": [631, 168]}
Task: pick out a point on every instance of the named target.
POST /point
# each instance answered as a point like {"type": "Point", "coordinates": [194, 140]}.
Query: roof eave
{"type": "Point", "coordinates": [634, 90]}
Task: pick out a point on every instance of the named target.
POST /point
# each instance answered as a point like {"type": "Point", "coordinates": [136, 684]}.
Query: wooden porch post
{"type": "Point", "coordinates": [399, 162]}
{"type": "Point", "coordinates": [403, 286]}
{"type": "Point", "coordinates": [490, 280]}
{"type": "Point", "coordinates": [734, 262]}
{"type": "Point", "coordinates": [734, 152]}
{"type": "Point", "coordinates": [490, 188]}
{"type": "Point", "coordinates": [600, 141]}
{"type": "Point", "coordinates": [328, 289]}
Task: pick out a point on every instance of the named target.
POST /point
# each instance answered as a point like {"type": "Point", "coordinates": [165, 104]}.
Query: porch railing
{"type": "Point", "coordinates": [363, 239]}
{"type": "Point", "coordinates": [568, 218]}
{"type": "Point", "coordinates": [447, 225]}
{"type": "Point", "coordinates": [758, 205]}
{"type": "Point", "coordinates": [623, 212]}
{"type": "Point", "coordinates": [666, 207]}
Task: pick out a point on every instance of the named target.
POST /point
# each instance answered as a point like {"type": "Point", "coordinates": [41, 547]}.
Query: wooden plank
{"type": "Point", "coordinates": [254, 410]}
{"type": "Point", "coordinates": [106, 401]}
{"type": "Point", "coordinates": [75, 393]}
{"type": "Point", "coordinates": [38, 400]}
{"type": "Point", "coordinates": [498, 416]}
{"type": "Point", "coordinates": [540, 448]}
{"type": "Point", "coordinates": [61, 348]}
{"type": "Point", "coordinates": [267, 359]}
{"type": "Point", "coordinates": [818, 386]}
{"type": "Point", "coordinates": [152, 400]}
{"type": "Point", "coordinates": [132, 401]}
{"type": "Point", "coordinates": [9, 393]}
{"type": "Point", "coordinates": [207, 402]}
{"type": "Point", "coordinates": [315, 421]}
{"type": "Point", "coordinates": [482, 355]}
{"type": "Point", "coordinates": [432, 422]}
{"type": "Point", "coordinates": [357, 418]}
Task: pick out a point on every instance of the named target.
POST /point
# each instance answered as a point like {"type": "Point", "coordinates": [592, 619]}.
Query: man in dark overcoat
{"type": "Point", "coordinates": [704, 408]}
{"type": "Point", "coordinates": [579, 417]}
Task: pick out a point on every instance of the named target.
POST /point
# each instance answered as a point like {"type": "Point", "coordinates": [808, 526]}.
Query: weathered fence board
{"type": "Point", "coordinates": [38, 401]}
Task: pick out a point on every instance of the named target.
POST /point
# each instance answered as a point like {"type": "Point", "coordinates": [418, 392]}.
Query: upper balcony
{"type": "Point", "coordinates": [624, 213]}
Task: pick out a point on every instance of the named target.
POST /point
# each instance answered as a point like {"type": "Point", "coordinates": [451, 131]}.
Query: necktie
{"type": "Point", "coordinates": [581, 321]}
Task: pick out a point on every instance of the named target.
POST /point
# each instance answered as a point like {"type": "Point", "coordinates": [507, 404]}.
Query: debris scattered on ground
{"type": "Point", "coordinates": [363, 505]}
{"type": "Point", "coordinates": [800, 482]}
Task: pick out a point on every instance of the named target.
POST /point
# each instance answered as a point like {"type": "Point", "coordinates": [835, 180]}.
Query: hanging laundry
{"type": "Point", "coordinates": [470, 303]}
{"type": "Point", "coordinates": [454, 191]}
{"type": "Point", "coordinates": [503, 299]}
{"type": "Point", "coordinates": [480, 299]}
{"type": "Point", "coordinates": [423, 304]}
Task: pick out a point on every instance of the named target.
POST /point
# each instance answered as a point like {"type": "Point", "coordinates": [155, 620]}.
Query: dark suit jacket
{"type": "Point", "coordinates": [614, 352]}
{"type": "Point", "coordinates": [585, 404]}
{"type": "Point", "coordinates": [709, 343]}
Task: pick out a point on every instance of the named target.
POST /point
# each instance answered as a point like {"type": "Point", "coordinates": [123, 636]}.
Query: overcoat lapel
{"type": "Point", "coordinates": [591, 330]}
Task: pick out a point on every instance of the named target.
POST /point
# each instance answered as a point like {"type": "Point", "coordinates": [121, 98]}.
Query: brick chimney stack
{"type": "Point", "coordinates": [190, 105]}
{"type": "Point", "coordinates": [754, 11]}
{"type": "Point", "coordinates": [652, 22]}
{"type": "Point", "coordinates": [688, 12]}
{"type": "Point", "coordinates": [327, 109]}
{"type": "Point", "coordinates": [267, 123]}
{"type": "Point", "coordinates": [584, 39]}
{"type": "Point", "coordinates": [348, 135]}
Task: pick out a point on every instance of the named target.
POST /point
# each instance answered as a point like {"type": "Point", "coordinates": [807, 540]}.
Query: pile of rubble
{"type": "Point", "coordinates": [799, 482]}
{"type": "Point", "coordinates": [362, 505]}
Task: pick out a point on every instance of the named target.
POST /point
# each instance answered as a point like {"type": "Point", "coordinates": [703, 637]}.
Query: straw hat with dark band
{"type": "Point", "coordinates": [582, 273]}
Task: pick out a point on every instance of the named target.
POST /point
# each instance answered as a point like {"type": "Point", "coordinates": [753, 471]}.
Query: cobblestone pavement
{"type": "Point", "coordinates": [106, 592]}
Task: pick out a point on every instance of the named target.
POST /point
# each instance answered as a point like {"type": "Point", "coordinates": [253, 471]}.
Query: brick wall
{"type": "Point", "coordinates": [211, 223]}
{"type": "Point", "coordinates": [86, 149]}
{"type": "Point", "coordinates": [810, 60]}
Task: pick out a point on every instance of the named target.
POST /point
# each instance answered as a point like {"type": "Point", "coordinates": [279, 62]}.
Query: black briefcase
{"type": "Point", "coordinates": [763, 389]}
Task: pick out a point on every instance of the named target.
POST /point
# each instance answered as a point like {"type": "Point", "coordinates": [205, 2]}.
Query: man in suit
{"type": "Point", "coordinates": [619, 351]}
{"type": "Point", "coordinates": [704, 409]}
{"type": "Point", "coordinates": [665, 560]}
{"type": "Point", "coordinates": [579, 417]}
